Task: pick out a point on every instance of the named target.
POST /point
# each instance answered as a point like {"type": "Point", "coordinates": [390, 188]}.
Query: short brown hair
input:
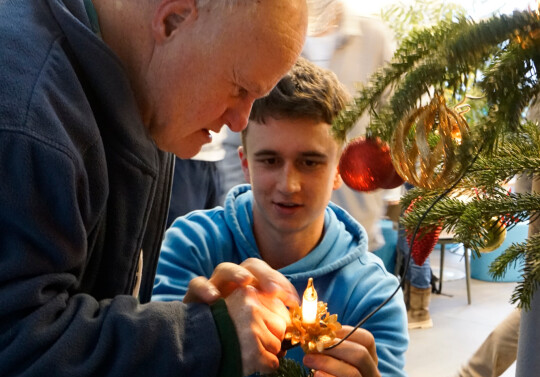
{"type": "Point", "coordinates": [305, 92]}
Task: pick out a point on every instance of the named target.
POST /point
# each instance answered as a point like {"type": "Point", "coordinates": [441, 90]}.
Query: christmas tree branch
{"type": "Point", "coordinates": [290, 368]}
{"type": "Point", "coordinates": [469, 218]}
{"type": "Point", "coordinates": [528, 255]}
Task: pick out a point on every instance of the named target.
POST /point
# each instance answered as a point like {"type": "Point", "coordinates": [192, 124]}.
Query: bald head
{"type": "Point", "coordinates": [196, 65]}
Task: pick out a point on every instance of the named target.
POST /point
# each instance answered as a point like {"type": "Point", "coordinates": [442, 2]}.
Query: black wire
{"type": "Point", "coordinates": [401, 284]}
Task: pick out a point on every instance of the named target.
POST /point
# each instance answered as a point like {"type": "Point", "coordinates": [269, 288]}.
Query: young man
{"type": "Point", "coordinates": [94, 93]}
{"type": "Point", "coordinates": [290, 157]}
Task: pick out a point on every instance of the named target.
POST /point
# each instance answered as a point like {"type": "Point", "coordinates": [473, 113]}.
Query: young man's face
{"type": "Point", "coordinates": [292, 167]}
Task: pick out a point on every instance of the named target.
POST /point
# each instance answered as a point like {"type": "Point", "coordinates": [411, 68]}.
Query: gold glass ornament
{"type": "Point", "coordinates": [496, 233]}
{"type": "Point", "coordinates": [425, 143]}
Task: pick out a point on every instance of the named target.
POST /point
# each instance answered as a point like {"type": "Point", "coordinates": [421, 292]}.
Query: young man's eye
{"type": "Point", "coordinates": [311, 163]}
{"type": "Point", "coordinates": [267, 161]}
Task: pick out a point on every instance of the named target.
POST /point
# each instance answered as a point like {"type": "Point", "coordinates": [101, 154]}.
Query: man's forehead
{"type": "Point", "coordinates": [257, 89]}
{"type": "Point", "coordinates": [256, 86]}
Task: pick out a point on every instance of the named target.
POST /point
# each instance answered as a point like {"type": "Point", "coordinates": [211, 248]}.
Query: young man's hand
{"type": "Point", "coordinates": [356, 356]}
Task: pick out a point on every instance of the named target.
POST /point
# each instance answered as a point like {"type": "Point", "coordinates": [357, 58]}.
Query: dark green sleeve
{"type": "Point", "coordinates": [231, 358]}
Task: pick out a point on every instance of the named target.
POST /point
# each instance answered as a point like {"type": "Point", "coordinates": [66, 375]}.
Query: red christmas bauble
{"type": "Point", "coordinates": [424, 242]}
{"type": "Point", "coordinates": [366, 165]}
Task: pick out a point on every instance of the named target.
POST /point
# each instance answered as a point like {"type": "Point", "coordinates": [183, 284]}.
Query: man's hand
{"type": "Point", "coordinates": [356, 356]}
{"type": "Point", "coordinates": [229, 276]}
{"type": "Point", "coordinates": [260, 322]}
{"type": "Point", "coordinates": [256, 297]}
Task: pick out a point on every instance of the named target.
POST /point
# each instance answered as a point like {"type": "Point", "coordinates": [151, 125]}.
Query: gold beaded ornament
{"type": "Point", "coordinates": [425, 142]}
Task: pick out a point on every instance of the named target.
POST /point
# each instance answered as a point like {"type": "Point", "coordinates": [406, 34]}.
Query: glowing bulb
{"type": "Point", "coordinates": [309, 304]}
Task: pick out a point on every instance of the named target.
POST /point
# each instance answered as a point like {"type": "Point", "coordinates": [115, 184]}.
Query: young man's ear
{"type": "Point", "coordinates": [337, 180]}
{"type": "Point", "coordinates": [244, 163]}
{"type": "Point", "coordinates": [170, 15]}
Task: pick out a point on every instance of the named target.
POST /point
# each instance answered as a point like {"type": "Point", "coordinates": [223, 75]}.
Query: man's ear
{"type": "Point", "coordinates": [244, 163]}
{"type": "Point", "coordinates": [170, 15]}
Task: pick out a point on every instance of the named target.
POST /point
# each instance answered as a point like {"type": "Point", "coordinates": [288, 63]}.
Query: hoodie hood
{"type": "Point", "coordinates": [344, 238]}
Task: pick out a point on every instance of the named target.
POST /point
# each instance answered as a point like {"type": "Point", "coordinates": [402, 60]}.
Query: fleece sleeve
{"type": "Point", "coordinates": [47, 326]}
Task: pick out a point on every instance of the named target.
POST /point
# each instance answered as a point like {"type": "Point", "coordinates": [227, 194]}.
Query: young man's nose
{"type": "Point", "coordinates": [290, 180]}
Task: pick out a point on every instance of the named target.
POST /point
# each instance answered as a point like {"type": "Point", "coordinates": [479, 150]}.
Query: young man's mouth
{"type": "Point", "coordinates": [287, 206]}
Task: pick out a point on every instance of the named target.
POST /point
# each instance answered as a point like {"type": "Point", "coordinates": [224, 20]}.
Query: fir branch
{"type": "Point", "coordinates": [499, 57]}
{"type": "Point", "coordinates": [510, 84]}
{"type": "Point", "coordinates": [530, 251]}
{"type": "Point", "coordinates": [449, 209]}
{"type": "Point", "coordinates": [405, 18]}
{"type": "Point", "coordinates": [420, 44]}
{"type": "Point", "coordinates": [516, 153]}
{"type": "Point", "coordinates": [289, 368]}
{"type": "Point", "coordinates": [489, 172]}
{"type": "Point", "coordinates": [470, 220]}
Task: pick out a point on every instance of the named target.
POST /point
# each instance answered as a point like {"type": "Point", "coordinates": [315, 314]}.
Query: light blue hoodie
{"type": "Point", "coordinates": [346, 276]}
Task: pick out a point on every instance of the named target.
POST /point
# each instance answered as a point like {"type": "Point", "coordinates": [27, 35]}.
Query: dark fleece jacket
{"type": "Point", "coordinates": [82, 190]}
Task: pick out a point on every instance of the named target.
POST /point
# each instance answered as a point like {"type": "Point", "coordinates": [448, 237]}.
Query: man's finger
{"type": "Point", "coordinates": [201, 290]}
{"type": "Point", "coordinates": [271, 281]}
{"type": "Point", "coordinates": [229, 276]}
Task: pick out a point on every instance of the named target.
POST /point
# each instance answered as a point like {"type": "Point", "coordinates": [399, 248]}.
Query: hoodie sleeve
{"type": "Point", "coordinates": [388, 325]}
{"type": "Point", "coordinates": [193, 246]}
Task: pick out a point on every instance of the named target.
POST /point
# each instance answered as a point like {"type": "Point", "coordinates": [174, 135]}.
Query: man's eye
{"type": "Point", "coordinates": [241, 92]}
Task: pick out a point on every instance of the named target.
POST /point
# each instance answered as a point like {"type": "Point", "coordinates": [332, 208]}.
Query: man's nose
{"type": "Point", "coordinates": [236, 117]}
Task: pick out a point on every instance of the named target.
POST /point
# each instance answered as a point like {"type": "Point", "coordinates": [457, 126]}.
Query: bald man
{"type": "Point", "coordinates": [97, 96]}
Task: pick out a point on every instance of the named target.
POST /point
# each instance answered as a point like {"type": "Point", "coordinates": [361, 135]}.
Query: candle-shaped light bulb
{"type": "Point", "coordinates": [309, 304]}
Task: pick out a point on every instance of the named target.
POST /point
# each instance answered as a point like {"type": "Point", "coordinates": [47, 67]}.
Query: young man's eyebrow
{"type": "Point", "coordinates": [314, 154]}
{"type": "Point", "coordinates": [269, 152]}
{"type": "Point", "coordinates": [265, 152]}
